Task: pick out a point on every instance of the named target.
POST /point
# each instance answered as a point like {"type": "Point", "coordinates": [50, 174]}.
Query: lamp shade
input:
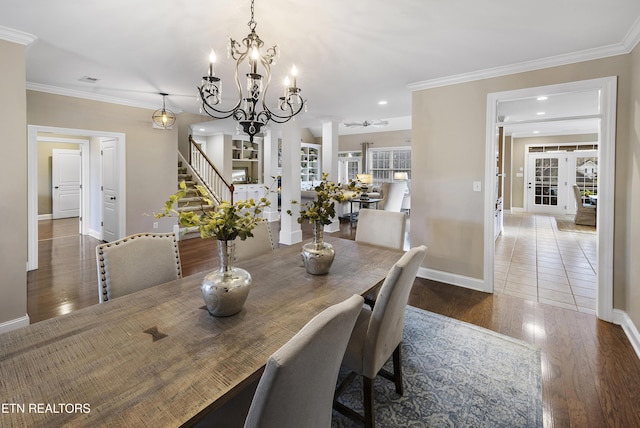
{"type": "Point", "coordinates": [400, 176]}
{"type": "Point", "coordinates": [365, 178]}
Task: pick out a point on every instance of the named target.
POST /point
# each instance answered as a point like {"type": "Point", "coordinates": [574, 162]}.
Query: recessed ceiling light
{"type": "Point", "coordinates": [382, 102]}
{"type": "Point", "coordinates": [540, 113]}
{"type": "Point", "coordinates": [202, 129]}
{"type": "Point", "coordinates": [542, 98]}
{"type": "Point", "coordinates": [536, 132]}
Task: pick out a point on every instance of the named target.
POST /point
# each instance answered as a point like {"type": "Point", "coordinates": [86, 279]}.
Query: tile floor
{"type": "Point", "coordinates": [536, 261]}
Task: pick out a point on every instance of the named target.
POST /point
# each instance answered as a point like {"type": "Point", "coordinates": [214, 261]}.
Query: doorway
{"type": "Point", "coordinates": [91, 180]}
{"type": "Point", "coordinates": [606, 89]}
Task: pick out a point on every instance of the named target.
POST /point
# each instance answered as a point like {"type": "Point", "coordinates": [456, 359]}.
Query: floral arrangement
{"type": "Point", "coordinates": [322, 209]}
{"type": "Point", "coordinates": [225, 222]}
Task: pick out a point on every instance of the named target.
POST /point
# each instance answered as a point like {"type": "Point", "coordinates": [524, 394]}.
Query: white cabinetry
{"type": "Point", "coordinates": [247, 161]}
{"type": "Point", "coordinates": [310, 168]}
{"type": "Point", "coordinates": [248, 191]}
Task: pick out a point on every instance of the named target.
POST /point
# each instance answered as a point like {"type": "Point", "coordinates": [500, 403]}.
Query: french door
{"type": "Point", "coordinates": [551, 177]}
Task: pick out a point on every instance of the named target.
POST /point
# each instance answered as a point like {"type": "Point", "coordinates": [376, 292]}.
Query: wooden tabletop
{"type": "Point", "coordinates": [157, 358]}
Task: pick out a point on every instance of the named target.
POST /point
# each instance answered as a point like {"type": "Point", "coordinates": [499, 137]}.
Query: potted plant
{"type": "Point", "coordinates": [226, 289]}
{"type": "Point", "coordinates": [320, 211]}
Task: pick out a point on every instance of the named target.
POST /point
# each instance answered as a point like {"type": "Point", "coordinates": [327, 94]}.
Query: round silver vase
{"type": "Point", "coordinates": [225, 290]}
{"type": "Point", "coordinates": [318, 255]}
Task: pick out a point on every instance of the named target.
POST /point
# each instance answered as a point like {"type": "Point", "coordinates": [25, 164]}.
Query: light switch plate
{"type": "Point", "coordinates": [477, 186]}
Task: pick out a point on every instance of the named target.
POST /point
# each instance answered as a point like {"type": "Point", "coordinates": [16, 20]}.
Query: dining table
{"type": "Point", "coordinates": [157, 358]}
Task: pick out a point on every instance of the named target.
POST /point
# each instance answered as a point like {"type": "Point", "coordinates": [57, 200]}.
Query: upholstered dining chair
{"type": "Point", "coordinates": [585, 213]}
{"type": "Point", "coordinates": [260, 243]}
{"type": "Point", "coordinates": [136, 262]}
{"type": "Point", "coordinates": [377, 335]}
{"type": "Point", "coordinates": [392, 196]}
{"type": "Point", "coordinates": [297, 386]}
{"type": "Point", "coordinates": [382, 228]}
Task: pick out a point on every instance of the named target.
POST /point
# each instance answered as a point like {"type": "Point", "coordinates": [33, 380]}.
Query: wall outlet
{"type": "Point", "coordinates": [477, 186]}
{"type": "Point", "coordinates": [155, 224]}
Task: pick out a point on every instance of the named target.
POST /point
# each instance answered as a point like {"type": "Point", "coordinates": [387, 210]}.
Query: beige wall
{"type": "Point", "coordinates": [630, 188]}
{"type": "Point", "coordinates": [518, 159]}
{"type": "Point", "coordinates": [13, 186]}
{"type": "Point", "coordinates": [449, 121]}
{"type": "Point", "coordinates": [352, 143]}
{"type": "Point", "coordinates": [151, 154]}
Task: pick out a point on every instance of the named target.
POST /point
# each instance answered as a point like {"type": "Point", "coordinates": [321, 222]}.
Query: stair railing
{"type": "Point", "coordinates": [217, 186]}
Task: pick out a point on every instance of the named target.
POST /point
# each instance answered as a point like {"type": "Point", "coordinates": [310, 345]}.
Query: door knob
{"type": "Point", "coordinates": [113, 198]}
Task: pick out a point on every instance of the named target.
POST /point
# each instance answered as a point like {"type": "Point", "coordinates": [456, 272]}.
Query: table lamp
{"type": "Point", "coordinates": [365, 179]}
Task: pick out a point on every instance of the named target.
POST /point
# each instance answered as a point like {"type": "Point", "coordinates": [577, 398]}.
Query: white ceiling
{"type": "Point", "coordinates": [350, 54]}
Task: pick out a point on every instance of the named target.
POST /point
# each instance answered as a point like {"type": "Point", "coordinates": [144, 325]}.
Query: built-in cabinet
{"type": "Point", "coordinates": [246, 161]}
{"type": "Point", "coordinates": [310, 168]}
{"type": "Point", "coordinates": [248, 191]}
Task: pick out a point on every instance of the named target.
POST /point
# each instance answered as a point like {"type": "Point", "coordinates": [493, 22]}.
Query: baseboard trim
{"type": "Point", "coordinates": [622, 318]}
{"type": "Point", "coordinates": [95, 234]}
{"type": "Point", "coordinates": [45, 217]}
{"type": "Point", "coordinates": [452, 278]}
{"type": "Point", "coordinates": [14, 324]}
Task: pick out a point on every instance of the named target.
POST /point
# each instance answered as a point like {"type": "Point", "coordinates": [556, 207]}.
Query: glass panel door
{"type": "Point", "coordinates": [546, 186]}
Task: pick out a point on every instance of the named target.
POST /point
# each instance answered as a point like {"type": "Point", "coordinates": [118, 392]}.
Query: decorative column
{"type": "Point", "coordinates": [290, 230]}
{"type": "Point", "coordinates": [270, 150]}
{"type": "Point", "coordinates": [330, 164]}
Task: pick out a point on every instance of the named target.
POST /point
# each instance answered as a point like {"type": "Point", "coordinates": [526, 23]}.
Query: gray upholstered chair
{"type": "Point", "coordinates": [136, 262]}
{"type": "Point", "coordinates": [378, 334]}
{"type": "Point", "coordinates": [299, 380]}
{"type": "Point", "coordinates": [392, 196]}
{"type": "Point", "coordinates": [260, 243]}
{"type": "Point", "coordinates": [382, 228]}
{"type": "Point", "coordinates": [585, 213]}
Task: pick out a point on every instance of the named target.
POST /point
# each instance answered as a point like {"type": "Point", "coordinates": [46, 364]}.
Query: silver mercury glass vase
{"type": "Point", "coordinates": [318, 255]}
{"type": "Point", "coordinates": [225, 290]}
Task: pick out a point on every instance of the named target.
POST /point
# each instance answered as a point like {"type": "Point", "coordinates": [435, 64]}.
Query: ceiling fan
{"type": "Point", "coordinates": [366, 123]}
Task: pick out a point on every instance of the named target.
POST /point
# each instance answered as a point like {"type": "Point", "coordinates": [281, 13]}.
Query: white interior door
{"type": "Point", "coordinates": [348, 168]}
{"type": "Point", "coordinates": [66, 177]}
{"type": "Point", "coordinates": [546, 183]}
{"type": "Point", "coordinates": [109, 191]}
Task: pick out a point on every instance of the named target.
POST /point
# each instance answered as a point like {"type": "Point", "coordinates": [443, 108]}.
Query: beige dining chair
{"type": "Point", "coordinates": [585, 214]}
{"type": "Point", "coordinates": [297, 386]}
{"type": "Point", "coordinates": [382, 228]}
{"type": "Point", "coordinates": [136, 262]}
{"type": "Point", "coordinates": [392, 196]}
{"type": "Point", "coordinates": [260, 243]}
{"type": "Point", "coordinates": [377, 335]}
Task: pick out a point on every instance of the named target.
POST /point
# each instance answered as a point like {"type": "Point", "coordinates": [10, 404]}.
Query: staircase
{"type": "Point", "coordinates": [191, 202]}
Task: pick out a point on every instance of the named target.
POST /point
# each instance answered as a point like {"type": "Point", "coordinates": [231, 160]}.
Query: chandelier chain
{"type": "Point", "coordinates": [252, 23]}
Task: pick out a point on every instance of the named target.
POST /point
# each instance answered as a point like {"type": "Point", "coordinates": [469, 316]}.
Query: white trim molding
{"type": "Point", "coordinates": [622, 319]}
{"type": "Point", "coordinates": [16, 36]}
{"type": "Point", "coordinates": [631, 39]}
{"type": "Point", "coordinates": [14, 324]}
{"type": "Point", "coordinates": [451, 278]}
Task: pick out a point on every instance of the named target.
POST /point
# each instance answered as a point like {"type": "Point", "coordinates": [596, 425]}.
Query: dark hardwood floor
{"type": "Point", "coordinates": [591, 374]}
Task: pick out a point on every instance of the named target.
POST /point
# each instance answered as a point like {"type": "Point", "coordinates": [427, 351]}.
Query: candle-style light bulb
{"type": "Point", "coordinates": [286, 86]}
{"type": "Point", "coordinates": [255, 55]}
{"type": "Point", "coordinates": [212, 60]}
{"type": "Point", "coordinates": [294, 73]}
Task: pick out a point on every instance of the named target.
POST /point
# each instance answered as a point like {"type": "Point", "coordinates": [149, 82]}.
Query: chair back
{"type": "Point", "coordinates": [259, 244]}
{"type": "Point", "coordinates": [299, 380]}
{"type": "Point", "coordinates": [392, 196]}
{"type": "Point", "coordinates": [386, 323]}
{"type": "Point", "coordinates": [136, 262]}
{"type": "Point", "coordinates": [382, 228]}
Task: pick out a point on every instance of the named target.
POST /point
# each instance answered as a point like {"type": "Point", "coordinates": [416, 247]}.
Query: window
{"type": "Point", "coordinates": [385, 162]}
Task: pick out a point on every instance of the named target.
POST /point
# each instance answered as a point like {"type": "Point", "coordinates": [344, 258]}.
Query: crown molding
{"type": "Point", "coordinates": [633, 36]}
{"type": "Point", "coordinates": [553, 61]}
{"type": "Point", "coordinates": [92, 96]}
{"type": "Point", "coordinates": [16, 36]}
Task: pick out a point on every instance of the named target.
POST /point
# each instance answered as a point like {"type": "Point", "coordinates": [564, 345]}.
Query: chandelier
{"type": "Point", "coordinates": [251, 110]}
{"type": "Point", "coordinates": [163, 118]}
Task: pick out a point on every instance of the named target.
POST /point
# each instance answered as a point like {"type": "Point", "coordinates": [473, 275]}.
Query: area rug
{"type": "Point", "coordinates": [455, 375]}
{"type": "Point", "coordinates": [565, 225]}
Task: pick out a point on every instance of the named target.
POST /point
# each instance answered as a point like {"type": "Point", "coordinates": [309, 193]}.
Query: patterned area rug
{"type": "Point", "coordinates": [455, 375]}
{"type": "Point", "coordinates": [566, 225]}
